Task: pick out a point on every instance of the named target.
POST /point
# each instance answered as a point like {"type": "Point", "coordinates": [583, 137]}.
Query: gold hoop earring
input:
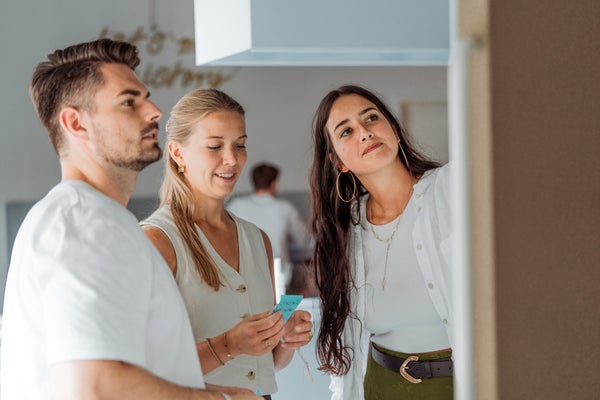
{"type": "Point", "coordinates": [405, 158]}
{"type": "Point", "coordinates": [337, 187]}
{"type": "Point", "coordinates": [181, 169]}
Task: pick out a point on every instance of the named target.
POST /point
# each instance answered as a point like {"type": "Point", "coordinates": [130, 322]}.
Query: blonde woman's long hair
{"type": "Point", "coordinates": [175, 190]}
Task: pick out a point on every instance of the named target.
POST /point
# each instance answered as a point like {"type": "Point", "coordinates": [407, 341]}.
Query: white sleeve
{"type": "Point", "coordinates": [95, 289]}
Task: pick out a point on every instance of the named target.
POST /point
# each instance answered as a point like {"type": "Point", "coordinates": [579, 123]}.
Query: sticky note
{"type": "Point", "coordinates": [288, 304]}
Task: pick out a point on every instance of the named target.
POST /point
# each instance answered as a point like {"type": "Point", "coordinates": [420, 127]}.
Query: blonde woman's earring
{"type": "Point", "coordinates": [337, 187]}
{"type": "Point", "coordinates": [181, 169]}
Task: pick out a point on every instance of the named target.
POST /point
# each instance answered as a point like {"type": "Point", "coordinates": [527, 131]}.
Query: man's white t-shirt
{"type": "Point", "coordinates": [85, 283]}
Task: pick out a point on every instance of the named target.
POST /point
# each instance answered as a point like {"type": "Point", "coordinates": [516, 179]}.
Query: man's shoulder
{"type": "Point", "coordinates": [61, 201]}
{"type": "Point", "coordinates": [73, 192]}
{"type": "Point", "coordinates": [78, 206]}
{"type": "Point", "coordinates": [72, 220]}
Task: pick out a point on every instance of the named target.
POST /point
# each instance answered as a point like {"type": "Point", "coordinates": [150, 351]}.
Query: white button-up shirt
{"type": "Point", "coordinates": [432, 235]}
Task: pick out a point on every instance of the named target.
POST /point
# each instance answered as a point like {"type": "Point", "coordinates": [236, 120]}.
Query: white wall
{"type": "Point", "coordinates": [280, 101]}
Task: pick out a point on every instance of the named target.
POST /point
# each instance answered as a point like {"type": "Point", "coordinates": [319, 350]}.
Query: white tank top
{"type": "Point", "coordinates": [213, 312]}
{"type": "Point", "coordinates": [401, 317]}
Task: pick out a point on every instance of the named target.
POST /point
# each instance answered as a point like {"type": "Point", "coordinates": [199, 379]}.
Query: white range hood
{"type": "Point", "coordinates": [321, 32]}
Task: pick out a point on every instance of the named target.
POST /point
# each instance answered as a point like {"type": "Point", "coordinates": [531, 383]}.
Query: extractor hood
{"type": "Point", "coordinates": [321, 32]}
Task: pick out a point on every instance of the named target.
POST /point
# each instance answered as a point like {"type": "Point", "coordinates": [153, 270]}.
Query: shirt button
{"type": "Point", "coordinates": [251, 375]}
{"type": "Point", "coordinates": [430, 285]}
{"type": "Point", "coordinates": [419, 247]}
{"type": "Point", "coordinates": [241, 288]}
{"type": "Point", "coordinates": [244, 316]}
{"type": "Point", "coordinates": [445, 321]}
{"type": "Point", "coordinates": [419, 209]}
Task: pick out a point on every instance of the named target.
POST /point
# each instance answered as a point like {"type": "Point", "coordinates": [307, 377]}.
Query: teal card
{"type": "Point", "coordinates": [287, 304]}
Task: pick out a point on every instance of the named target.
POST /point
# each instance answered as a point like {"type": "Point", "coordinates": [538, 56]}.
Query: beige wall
{"type": "Point", "coordinates": [538, 76]}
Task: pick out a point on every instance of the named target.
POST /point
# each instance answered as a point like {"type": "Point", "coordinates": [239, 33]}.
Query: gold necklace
{"type": "Point", "coordinates": [389, 240]}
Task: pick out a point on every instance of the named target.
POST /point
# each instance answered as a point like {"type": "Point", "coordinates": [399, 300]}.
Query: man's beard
{"type": "Point", "coordinates": [140, 162]}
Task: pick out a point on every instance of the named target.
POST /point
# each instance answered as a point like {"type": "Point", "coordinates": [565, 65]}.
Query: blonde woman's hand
{"type": "Point", "coordinates": [256, 335]}
{"type": "Point", "coordinates": [297, 330]}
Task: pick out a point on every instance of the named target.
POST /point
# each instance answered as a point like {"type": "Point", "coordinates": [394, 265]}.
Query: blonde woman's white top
{"type": "Point", "coordinates": [213, 312]}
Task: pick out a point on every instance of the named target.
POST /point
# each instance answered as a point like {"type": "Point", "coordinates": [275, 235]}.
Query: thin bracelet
{"type": "Point", "coordinates": [226, 396]}
{"type": "Point", "coordinates": [229, 356]}
{"type": "Point", "coordinates": [213, 352]}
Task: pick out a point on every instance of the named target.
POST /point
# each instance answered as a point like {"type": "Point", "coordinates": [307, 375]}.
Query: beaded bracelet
{"type": "Point", "coordinates": [213, 352]}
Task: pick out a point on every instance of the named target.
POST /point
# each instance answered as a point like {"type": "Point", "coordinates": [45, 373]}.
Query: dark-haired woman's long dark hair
{"type": "Point", "coordinates": [331, 221]}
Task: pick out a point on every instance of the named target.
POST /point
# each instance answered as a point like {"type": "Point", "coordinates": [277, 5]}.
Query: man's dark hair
{"type": "Point", "coordinates": [71, 77]}
{"type": "Point", "coordinates": [263, 175]}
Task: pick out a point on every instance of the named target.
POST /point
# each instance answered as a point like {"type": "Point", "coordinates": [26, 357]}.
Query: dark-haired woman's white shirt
{"type": "Point", "coordinates": [401, 315]}
{"type": "Point", "coordinates": [431, 237]}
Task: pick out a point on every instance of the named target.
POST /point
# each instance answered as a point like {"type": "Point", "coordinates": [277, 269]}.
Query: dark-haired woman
{"type": "Point", "coordinates": [381, 221]}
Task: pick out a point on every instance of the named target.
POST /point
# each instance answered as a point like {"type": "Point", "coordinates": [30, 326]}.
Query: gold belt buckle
{"type": "Point", "coordinates": [404, 370]}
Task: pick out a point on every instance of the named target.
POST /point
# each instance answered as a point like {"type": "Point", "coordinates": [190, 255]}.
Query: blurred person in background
{"type": "Point", "coordinates": [277, 217]}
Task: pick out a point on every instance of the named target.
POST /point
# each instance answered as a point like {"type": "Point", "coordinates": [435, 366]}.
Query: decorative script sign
{"type": "Point", "coordinates": [155, 42]}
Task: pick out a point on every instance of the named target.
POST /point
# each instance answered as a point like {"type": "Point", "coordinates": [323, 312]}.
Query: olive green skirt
{"type": "Point", "coordinates": [382, 384]}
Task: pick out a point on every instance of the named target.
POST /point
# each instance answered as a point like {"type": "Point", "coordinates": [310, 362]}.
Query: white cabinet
{"type": "Point", "coordinates": [322, 32]}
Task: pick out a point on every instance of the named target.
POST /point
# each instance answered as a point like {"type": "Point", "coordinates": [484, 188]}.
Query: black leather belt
{"type": "Point", "coordinates": [411, 367]}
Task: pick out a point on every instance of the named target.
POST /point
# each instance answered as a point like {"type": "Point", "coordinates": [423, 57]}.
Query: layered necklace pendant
{"type": "Point", "coordinates": [388, 241]}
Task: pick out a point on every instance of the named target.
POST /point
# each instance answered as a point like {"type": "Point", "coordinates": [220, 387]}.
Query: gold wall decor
{"type": "Point", "coordinates": [155, 42]}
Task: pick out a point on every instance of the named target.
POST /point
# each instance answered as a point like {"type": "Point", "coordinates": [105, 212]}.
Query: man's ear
{"type": "Point", "coordinates": [71, 120]}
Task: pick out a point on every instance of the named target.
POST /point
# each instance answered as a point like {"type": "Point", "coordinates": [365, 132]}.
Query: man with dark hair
{"type": "Point", "coordinates": [277, 217]}
{"type": "Point", "coordinates": [91, 310]}
{"type": "Point", "coordinates": [264, 177]}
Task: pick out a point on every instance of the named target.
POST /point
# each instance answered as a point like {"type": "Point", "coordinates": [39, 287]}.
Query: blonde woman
{"type": "Point", "coordinates": [223, 265]}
